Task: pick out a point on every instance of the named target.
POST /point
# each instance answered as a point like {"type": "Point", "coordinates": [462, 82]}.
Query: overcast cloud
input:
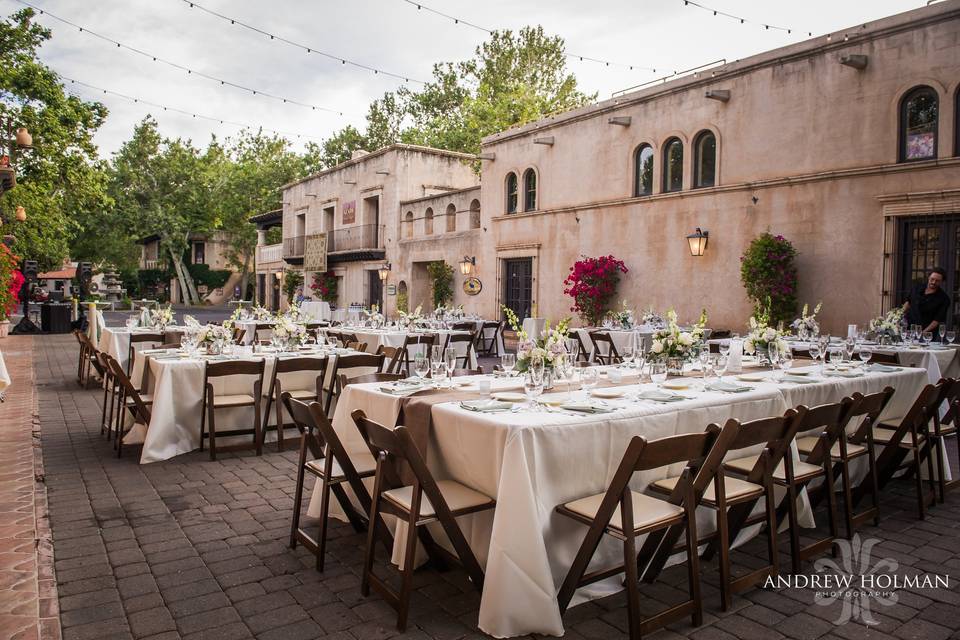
{"type": "Point", "coordinates": [390, 34]}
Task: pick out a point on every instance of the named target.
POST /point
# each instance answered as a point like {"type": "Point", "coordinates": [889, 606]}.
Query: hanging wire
{"type": "Point", "coordinates": [742, 20]}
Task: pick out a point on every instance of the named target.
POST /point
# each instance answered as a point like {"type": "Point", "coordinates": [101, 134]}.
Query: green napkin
{"type": "Point", "coordinates": [486, 406]}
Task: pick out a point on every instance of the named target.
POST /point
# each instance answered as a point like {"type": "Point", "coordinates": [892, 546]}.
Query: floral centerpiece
{"type": "Point", "coordinates": [161, 318]}
{"type": "Point", "coordinates": [622, 316]}
{"type": "Point", "coordinates": [325, 286]}
{"type": "Point", "coordinates": [887, 326]}
{"type": "Point", "coordinates": [261, 313]}
{"type": "Point", "coordinates": [762, 335]}
{"type": "Point", "coordinates": [214, 337]}
{"type": "Point", "coordinates": [550, 345]}
{"type": "Point", "coordinates": [806, 326]}
{"type": "Point", "coordinates": [411, 318]}
{"type": "Point", "coordinates": [674, 345]}
{"type": "Point", "coordinates": [288, 332]}
{"type": "Point", "coordinates": [374, 316]}
{"type": "Point", "coordinates": [652, 318]}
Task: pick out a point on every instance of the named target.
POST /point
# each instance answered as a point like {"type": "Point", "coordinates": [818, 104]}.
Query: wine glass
{"type": "Point", "coordinates": [658, 372]}
{"type": "Point", "coordinates": [865, 354]}
{"type": "Point", "coordinates": [942, 330]}
{"type": "Point", "coordinates": [436, 355]}
{"type": "Point", "coordinates": [836, 357]}
{"type": "Point", "coordinates": [450, 363]}
{"type": "Point", "coordinates": [507, 362]}
{"type": "Point", "coordinates": [705, 357]}
{"type": "Point", "coordinates": [814, 351]}
{"type": "Point", "coordinates": [533, 381]}
{"type": "Point", "coordinates": [785, 362]}
{"type": "Point", "coordinates": [951, 336]}
{"type": "Point", "coordinates": [725, 348]}
{"type": "Point", "coordinates": [773, 352]}
{"type": "Point", "coordinates": [588, 379]}
{"type": "Point", "coordinates": [848, 347]}
{"type": "Point", "coordinates": [421, 365]}
{"type": "Point", "coordinates": [627, 353]}
{"type": "Point", "coordinates": [721, 368]}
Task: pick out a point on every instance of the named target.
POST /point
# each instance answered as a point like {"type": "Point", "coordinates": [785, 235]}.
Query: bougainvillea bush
{"type": "Point", "coordinates": [769, 274]}
{"type": "Point", "coordinates": [592, 284]}
{"type": "Point", "coordinates": [324, 286]}
{"type": "Point", "coordinates": [11, 280]}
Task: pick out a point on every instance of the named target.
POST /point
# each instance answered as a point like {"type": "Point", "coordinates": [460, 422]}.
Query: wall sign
{"type": "Point", "coordinates": [315, 253]}
{"type": "Point", "coordinates": [349, 212]}
{"type": "Point", "coordinates": [472, 286]}
{"type": "Point", "coordinates": [391, 289]}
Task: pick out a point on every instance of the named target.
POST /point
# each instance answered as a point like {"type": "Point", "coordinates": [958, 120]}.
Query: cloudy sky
{"type": "Point", "coordinates": [391, 35]}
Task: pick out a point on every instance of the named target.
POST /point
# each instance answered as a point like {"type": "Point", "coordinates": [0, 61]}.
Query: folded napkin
{"type": "Point", "coordinates": [727, 387]}
{"type": "Point", "coordinates": [586, 407]}
{"type": "Point", "coordinates": [845, 374]}
{"type": "Point", "coordinates": [148, 352]}
{"type": "Point", "coordinates": [486, 406]}
{"type": "Point", "coordinates": [659, 396]}
{"type": "Point", "coordinates": [882, 368]}
{"type": "Point", "coordinates": [402, 390]}
{"type": "Point", "coordinates": [798, 379]}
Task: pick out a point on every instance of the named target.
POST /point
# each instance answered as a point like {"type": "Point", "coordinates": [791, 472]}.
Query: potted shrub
{"type": "Point", "coordinates": [592, 284]}
{"type": "Point", "coordinates": [11, 280]}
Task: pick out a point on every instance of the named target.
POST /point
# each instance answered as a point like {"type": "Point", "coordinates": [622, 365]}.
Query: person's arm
{"type": "Point", "coordinates": [932, 326]}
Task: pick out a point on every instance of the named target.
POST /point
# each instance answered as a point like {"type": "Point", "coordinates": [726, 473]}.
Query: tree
{"type": "Point", "coordinates": [514, 78]}
{"type": "Point", "coordinates": [60, 181]}
{"type": "Point", "coordinates": [166, 188]}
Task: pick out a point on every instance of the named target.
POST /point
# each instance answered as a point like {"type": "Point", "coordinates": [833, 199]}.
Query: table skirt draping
{"type": "Point", "coordinates": [4, 375]}
{"type": "Point", "coordinates": [374, 338]}
{"type": "Point", "coordinates": [115, 341]}
{"type": "Point", "coordinates": [532, 462]}
{"type": "Point", "coordinates": [177, 388]}
{"type": "Point", "coordinates": [316, 310]}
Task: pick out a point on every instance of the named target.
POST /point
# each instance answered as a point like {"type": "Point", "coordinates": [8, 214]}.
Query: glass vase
{"type": "Point", "coordinates": [674, 366]}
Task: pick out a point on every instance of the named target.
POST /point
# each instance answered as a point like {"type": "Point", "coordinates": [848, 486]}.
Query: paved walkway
{"type": "Point", "coordinates": [197, 549]}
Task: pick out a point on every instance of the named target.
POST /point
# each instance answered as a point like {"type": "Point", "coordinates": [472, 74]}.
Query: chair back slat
{"type": "Point", "coordinates": [686, 447]}
{"type": "Point", "coordinates": [234, 368]}
{"type": "Point", "coordinates": [369, 377]}
{"type": "Point", "coordinates": [290, 365]}
{"type": "Point", "coordinates": [120, 376]}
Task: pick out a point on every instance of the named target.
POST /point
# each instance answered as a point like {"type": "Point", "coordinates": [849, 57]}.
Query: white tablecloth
{"type": "Point", "coordinates": [4, 375]}
{"type": "Point", "coordinates": [177, 387]}
{"type": "Point", "coordinates": [316, 310]}
{"type": "Point", "coordinates": [394, 338]}
{"type": "Point", "coordinates": [531, 462]}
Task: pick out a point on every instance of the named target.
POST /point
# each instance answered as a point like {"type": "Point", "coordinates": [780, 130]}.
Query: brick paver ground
{"type": "Point", "coordinates": [197, 549]}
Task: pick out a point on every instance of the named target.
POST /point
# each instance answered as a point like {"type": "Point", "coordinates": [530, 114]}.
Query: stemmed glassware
{"type": "Point", "coordinates": [951, 336]}
{"type": "Point", "coordinates": [421, 366]}
{"type": "Point", "coordinates": [588, 379]}
{"type": "Point", "coordinates": [785, 362]}
{"type": "Point", "coordinates": [942, 330]}
{"type": "Point", "coordinates": [848, 346]}
{"type": "Point", "coordinates": [815, 353]}
{"type": "Point", "coordinates": [658, 372]}
{"type": "Point", "coordinates": [533, 381]}
{"type": "Point", "coordinates": [450, 363]}
{"type": "Point", "coordinates": [704, 357]}
{"type": "Point", "coordinates": [865, 354]}
{"type": "Point", "coordinates": [131, 323]}
{"type": "Point", "coordinates": [507, 362]}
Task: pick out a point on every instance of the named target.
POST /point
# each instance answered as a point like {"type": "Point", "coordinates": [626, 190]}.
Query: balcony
{"type": "Point", "coordinates": [293, 249]}
{"type": "Point", "coordinates": [267, 253]}
{"type": "Point", "coordinates": [151, 264]}
{"type": "Point", "coordinates": [360, 238]}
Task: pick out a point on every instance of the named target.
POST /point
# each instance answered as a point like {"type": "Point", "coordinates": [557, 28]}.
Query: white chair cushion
{"type": "Point", "coordinates": [232, 400]}
{"type": "Point", "coordinates": [884, 435]}
{"type": "Point", "coordinates": [732, 487]}
{"type": "Point", "coordinates": [647, 510]}
{"type": "Point", "coordinates": [363, 464]}
{"type": "Point", "coordinates": [456, 495]}
{"type": "Point", "coordinates": [297, 394]}
{"type": "Point", "coordinates": [806, 445]}
{"type": "Point", "coordinates": [800, 468]}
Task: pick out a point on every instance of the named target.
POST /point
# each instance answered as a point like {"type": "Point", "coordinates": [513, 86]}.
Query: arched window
{"type": "Point", "coordinates": [512, 189]}
{"type": "Point", "coordinates": [451, 218]}
{"type": "Point", "coordinates": [475, 214]}
{"type": "Point", "coordinates": [428, 222]}
{"type": "Point", "coordinates": [408, 221]}
{"type": "Point", "coordinates": [673, 165]}
{"type": "Point", "coordinates": [919, 117]}
{"type": "Point", "coordinates": [705, 159]}
{"type": "Point", "coordinates": [643, 170]}
{"type": "Point", "coordinates": [529, 190]}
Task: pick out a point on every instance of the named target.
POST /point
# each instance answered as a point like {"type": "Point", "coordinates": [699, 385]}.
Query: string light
{"type": "Point", "coordinates": [309, 50]}
{"type": "Point", "coordinates": [742, 20]}
{"type": "Point", "coordinates": [184, 112]}
{"type": "Point", "coordinates": [188, 70]}
{"type": "Point", "coordinates": [632, 67]}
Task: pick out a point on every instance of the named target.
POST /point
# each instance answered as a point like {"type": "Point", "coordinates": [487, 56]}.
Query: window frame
{"type": "Point", "coordinates": [428, 222]}
{"type": "Point", "coordinates": [450, 224]}
{"type": "Point", "coordinates": [527, 206]}
{"type": "Point", "coordinates": [909, 95]}
{"type": "Point", "coordinates": [643, 146]}
{"type": "Point", "coordinates": [697, 157]}
{"type": "Point", "coordinates": [665, 170]}
{"type": "Point", "coordinates": [408, 219]}
{"type": "Point", "coordinates": [512, 194]}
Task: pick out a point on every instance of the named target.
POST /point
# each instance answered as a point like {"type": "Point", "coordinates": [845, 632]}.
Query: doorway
{"type": "Point", "coordinates": [374, 289]}
{"type": "Point", "coordinates": [925, 243]}
{"type": "Point", "coordinates": [518, 286]}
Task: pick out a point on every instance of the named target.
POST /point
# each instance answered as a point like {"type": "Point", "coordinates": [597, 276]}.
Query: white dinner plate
{"type": "Point", "coordinates": [752, 377]}
{"type": "Point", "coordinates": [676, 384]}
{"type": "Point", "coordinates": [607, 393]}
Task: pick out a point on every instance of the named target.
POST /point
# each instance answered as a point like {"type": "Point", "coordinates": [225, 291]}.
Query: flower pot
{"type": "Point", "coordinates": [4, 328]}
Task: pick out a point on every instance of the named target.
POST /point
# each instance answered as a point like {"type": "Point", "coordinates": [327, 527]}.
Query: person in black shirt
{"type": "Point", "coordinates": [928, 304]}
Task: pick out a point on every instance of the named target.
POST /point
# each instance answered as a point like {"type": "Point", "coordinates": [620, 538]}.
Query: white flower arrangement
{"type": "Point", "coordinates": [652, 318]}
{"type": "Point", "coordinates": [288, 330]}
{"type": "Point", "coordinates": [888, 325]}
{"type": "Point", "coordinates": [762, 335]}
{"type": "Point", "coordinates": [162, 317]}
{"type": "Point", "coordinates": [622, 316]}
{"type": "Point", "coordinates": [293, 312]}
{"type": "Point", "coordinates": [671, 342]}
{"type": "Point", "coordinates": [374, 315]}
{"type": "Point", "coordinates": [231, 322]}
{"type": "Point", "coordinates": [410, 318]}
{"type": "Point", "coordinates": [212, 334]}
{"type": "Point", "coordinates": [261, 313]}
{"type": "Point", "coordinates": [550, 345]}
{"type": "Point", "coordinates": [806, 326]}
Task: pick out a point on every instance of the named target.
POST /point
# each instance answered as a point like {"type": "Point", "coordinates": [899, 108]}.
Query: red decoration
{"type": "Point", "coordinates": [592, 283]}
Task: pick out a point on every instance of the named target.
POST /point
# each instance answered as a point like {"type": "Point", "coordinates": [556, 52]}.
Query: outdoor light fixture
{"type": "Point", "coordinates": [698, 242]}
{"type": "Point", "coordinates": [623, 121]}
{"type": "Point", "coordinates": [854, 60]}
{"type": "Point", "coordinates": [384, 271]}
{"type": "Point", "coordinates": [547, 140]}
{"type": "Point", "coordinates": [467, 265]}
{"type": "Point", "coordinates": [722, 95]}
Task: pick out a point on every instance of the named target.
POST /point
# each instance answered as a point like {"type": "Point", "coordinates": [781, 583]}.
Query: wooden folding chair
{"type": "Point", "coordinates": [884, 358]}
{"type": "Point", "coordinates": [468, 372]}
{"type": "Point", "coordinates": [733, 498]}
{"type": "Point", "coordinates": [275, 389]}
{"type": "Point", "coordinates": [454, 339]}
{"type": "Point", "coordinates": [111, 391]}
{"type": "Point", "coordinates": [356, 346]}
{"type": "Point", "coordinates": [129, 400]}
{"type": "Point", "coordinates": [425, 501]}
{"type": "Point", "coordinates": [465, 326]}
{"type": "Point", "coordinates": [490, 345]}
{"type": "Point", "coordinates": [369, 377]}
{"type": "Point", "coordinates": [83, 356]}
{"type": "Point", "coordinates": [391, 356]}
{"type": "Point", "coordinates": [582, 354]}
{"type": "Point", "coordinates": [323, 455]}
{"type": "Point", "coordinates": [909, 437]}
{"type": "Point", "coordinates": [942, 429]}
{"type": "Point", "coordinates": [140, 338]}
{"type": "Point", "coordinates": [414, 340]}
{"type": "Point", "coordinates": [625, 514]}
{"type": "Point", "coordinates": [864, 412]}
{"type": "Point", "coordinates": [212, 402]}
{"type": "Point", "coordinates": [598, 338]}
{"type": "Point", "coordinates": [349, 361]}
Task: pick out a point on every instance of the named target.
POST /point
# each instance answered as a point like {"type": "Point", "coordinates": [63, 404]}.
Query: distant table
{"type": "Point", "coordinates": [4, 376]}
{"type": "Point", "coordinates": [316, 310]}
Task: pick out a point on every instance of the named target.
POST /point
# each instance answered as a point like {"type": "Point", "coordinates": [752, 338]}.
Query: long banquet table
{"type": "Point", "coordinates": [532, 461]}
{"type": "Point", "coordinates": [374, 338]}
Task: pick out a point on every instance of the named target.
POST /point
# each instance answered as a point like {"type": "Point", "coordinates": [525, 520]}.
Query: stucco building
{"type": "Point", "coordinates": [202, 249]}
{"type": "Point", "coordinates": [846, 144]}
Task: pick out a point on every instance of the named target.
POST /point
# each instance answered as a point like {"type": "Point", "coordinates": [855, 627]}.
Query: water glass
{"type": "Point", "coordinates": [785, 362]}
{"type": "Point", "coordinates": [725, 348]}
{"type": "Point", "coordinates": [421, 365]}
{"type": "Point", "coordinates": [658, 372]}
{"type": "Point", "coordinates": [951, 336]}
{"type": "Point", "coordinates": [131, 323]}
{"type": "Point", "coordinates": [450, 362]}
{"type": "Point", "coordinates": [507, 362]}
{"type": "Point", "coordinates": [436, 354]}
{"type": "Point", "coordinates": [483, 387]}
{"type": "Point", "coordinates": [588, 379]}
{"type": "Point", "coordinates": [926, 337]}
{"type": "Point", "coordinates": [865, 354]}
{"type": "Point", "coordinates": [705, 358]}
